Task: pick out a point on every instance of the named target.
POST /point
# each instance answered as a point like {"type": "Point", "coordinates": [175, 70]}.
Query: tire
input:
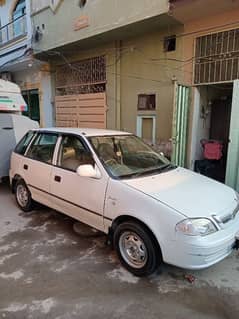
{"type": "Point", "coordinates": [23, 196]}
{"type": "Point", "coordinates": [136, 249]}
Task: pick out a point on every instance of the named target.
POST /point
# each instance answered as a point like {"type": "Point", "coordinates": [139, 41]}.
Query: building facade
{"type": "Point", "coordinates": [211, 68]}
{"type": "Point", "coordinates": [17, 63]}
{"type": "Point", "coordinates": [114, 64]}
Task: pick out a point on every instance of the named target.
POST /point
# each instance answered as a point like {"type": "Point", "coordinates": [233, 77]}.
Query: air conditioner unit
{"type": "Point", "coordinates": [7, 76]}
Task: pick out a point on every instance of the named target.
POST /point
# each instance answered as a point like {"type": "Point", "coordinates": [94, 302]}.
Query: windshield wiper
{"type": "Point", "coordinates": [160, 169]}
{"type": "Point", "coordinates": [166, 167]}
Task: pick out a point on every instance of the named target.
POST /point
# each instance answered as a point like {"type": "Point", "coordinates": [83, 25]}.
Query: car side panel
{"type": "Point", "coordinates": [79, 197]}
{"type": "Point", "coordinates": [37, 177]}
{"type": "Point", "coordinates": [190, 252]}
{"type": "Point", "coordinates": [122, 199]}
{"type": "Point", "coordinates": [15, 166]}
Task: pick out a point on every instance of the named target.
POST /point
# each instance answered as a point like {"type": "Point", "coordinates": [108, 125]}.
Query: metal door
{"type": "Point", "coordinates": [232, 172]}
{"type": "Point", "coordinates": [82, 110]}
{"type": "Point", "coordinates": [180, 124]}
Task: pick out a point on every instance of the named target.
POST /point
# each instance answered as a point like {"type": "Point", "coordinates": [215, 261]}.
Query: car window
{"type": "Point", "coordinates": [42, 148]}
{"type": "Point", "coordinates": [24, 142]}
{"type": "Point", "coordinates": [73, 153]}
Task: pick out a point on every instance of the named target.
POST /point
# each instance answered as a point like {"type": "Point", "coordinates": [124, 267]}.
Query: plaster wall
{"type": "Point", "coordinates": [137, 66]}
{"type": "Point", "coordinates": [223, 21]}
{"type": "Point", "coordinates": [65, 22]}
{"type": "Point", "coordinates": [147, 69]}
{"type": "Point", "coordinates": [227, 20]}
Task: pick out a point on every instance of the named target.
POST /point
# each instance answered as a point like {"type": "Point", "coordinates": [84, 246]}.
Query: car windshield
{"type": "Point", "coordinates": [127, 156]}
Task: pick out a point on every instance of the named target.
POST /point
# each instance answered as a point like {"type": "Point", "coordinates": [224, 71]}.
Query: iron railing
{"type": "Point", "coordinates": [217, 57]}
{"type": "Point", "coordinates": [13, 30]}
{"type": "Point", "coordinates": [85, 76]}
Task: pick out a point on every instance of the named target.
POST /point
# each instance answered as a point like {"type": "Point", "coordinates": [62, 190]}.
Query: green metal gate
{"type": "Point", "coordinates": [180, 124]}
{"type": "Point", "coordinates": [31, 97]}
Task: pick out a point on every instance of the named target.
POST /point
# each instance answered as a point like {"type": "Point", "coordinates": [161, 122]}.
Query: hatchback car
{"type": "Point", "coordinates": [151, 210]}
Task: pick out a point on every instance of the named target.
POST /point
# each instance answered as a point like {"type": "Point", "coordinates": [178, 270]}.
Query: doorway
{"type": "Point", "coordinates": [31, 98]}
{"type": "Point", "coordinates": [211, 130]}
{"type": "Point", "coordinates": [146, 128]}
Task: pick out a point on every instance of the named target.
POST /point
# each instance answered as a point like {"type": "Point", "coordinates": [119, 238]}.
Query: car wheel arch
{"type": "Point", "coordinates": [15, 179]}
{"type": "Point", "coordinates": [127, 218]}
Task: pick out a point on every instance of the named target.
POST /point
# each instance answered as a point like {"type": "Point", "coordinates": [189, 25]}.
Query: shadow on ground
{"type": "Point", "coordinates": [47, 270]}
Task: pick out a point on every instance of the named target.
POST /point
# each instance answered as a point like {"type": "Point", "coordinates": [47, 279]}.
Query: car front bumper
{"type": "Point", "coordinates": [202, 252]}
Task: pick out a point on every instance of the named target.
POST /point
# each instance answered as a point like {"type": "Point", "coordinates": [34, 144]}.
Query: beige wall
{"type": "Point", "coordinates": [143, 67]}
{"type": "Point", "coordinates": [132, 65]}
{"type": "Point", "coordinates": [226, 20]}
{"type": "Point", "coordinates": [147, 69]}
{"type": "Point", "coordinates": [96, 17]}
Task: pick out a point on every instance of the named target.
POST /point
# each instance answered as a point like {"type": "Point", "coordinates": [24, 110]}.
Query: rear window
{"type": "Point", "coordinates": [24, 142]}
{"type": "Point", "coordinates": [42, 148]}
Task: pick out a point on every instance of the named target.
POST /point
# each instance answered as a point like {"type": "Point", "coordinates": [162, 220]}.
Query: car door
{"type": "Point", "coordinates": [37, 166]}
{"type": "Point", "coordinates": [79, 197]}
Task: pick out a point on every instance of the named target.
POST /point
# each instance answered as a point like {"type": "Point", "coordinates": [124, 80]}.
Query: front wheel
{"type": "Point", "coordinates": [136, 249]}
{"type": "Point", "coordinates": [23, 196]}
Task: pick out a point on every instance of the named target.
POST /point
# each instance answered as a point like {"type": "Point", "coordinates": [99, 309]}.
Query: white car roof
{"type": "Point", "coordinates": [84, 131]}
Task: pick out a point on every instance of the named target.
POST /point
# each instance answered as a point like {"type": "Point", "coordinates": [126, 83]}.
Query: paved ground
{"type": "Point", "coordinates": [48, 271]}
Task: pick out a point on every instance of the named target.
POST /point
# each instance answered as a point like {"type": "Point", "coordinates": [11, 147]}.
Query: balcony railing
{"type": "Point", "coordinates": [13, 30]}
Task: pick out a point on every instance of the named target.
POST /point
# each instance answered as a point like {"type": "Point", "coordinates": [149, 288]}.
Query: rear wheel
{"type": "Point", "coordinates": [136, 248]}
{"type": "Point", "coordinates": [23, 196]}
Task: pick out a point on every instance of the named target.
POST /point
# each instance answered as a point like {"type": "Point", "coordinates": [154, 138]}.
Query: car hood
{"type": "Point", "coordinates": [191, 194]}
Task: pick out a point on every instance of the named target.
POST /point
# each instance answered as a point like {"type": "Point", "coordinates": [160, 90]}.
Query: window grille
{"type": "Point", "coordinates": [86, 76]}
{"type": "Point", "coordinates": [146, 102]}
{"type": "Point", "coordinates": [217, 57]}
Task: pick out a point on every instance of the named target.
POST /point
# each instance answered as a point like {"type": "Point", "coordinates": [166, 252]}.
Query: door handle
{"type": "Point", "coordinates": [57, 178]}
{"type": "Point", "coordinates": [25, 166]}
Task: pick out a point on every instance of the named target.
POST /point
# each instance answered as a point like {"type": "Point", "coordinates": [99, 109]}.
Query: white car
{"type": "Point", "coordinates": [152, 211]}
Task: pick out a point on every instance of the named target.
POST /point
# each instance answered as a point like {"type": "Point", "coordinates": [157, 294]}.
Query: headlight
{"type": "Point", "coordinates": [196, 227]}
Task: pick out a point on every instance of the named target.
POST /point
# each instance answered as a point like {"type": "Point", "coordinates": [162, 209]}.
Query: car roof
{"type": "Point", "coordinates": [83, 131]}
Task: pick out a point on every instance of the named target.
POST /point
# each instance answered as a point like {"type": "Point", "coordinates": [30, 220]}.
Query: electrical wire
{"type": "Point", "coordinates": [72, 67]}
{"type": "Point", "coordinates": [123, 50]}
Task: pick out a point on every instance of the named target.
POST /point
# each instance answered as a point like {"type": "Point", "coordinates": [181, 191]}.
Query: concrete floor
{"type": "Point", "coordinates": [49, 271]}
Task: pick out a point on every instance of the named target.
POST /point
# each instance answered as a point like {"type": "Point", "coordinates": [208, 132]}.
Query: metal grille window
{"type": "Point", "coordinates": [217, 57]}
{"type": "Point", "coordinates": [86, 76]}
{"type": "Point", "coordinates": [146, 102]}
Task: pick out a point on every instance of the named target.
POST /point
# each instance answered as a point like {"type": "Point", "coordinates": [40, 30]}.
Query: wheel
{"type": "Point", "coordinates": [136, 249]}
{"type": "Point", "coordinates": [23, 196]}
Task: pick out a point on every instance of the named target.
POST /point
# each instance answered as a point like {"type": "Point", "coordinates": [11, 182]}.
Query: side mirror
{"type": "Point", "coordinates": [88, 170]}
